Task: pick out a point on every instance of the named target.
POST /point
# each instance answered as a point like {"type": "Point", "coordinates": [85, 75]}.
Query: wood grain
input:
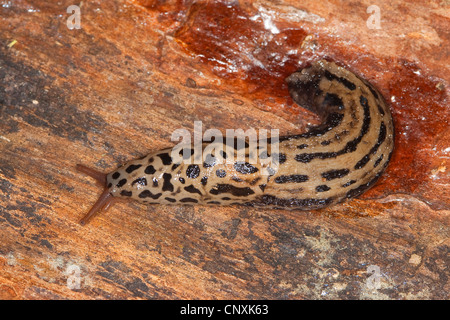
{"type": "Point", "coordinates": [137, 70]}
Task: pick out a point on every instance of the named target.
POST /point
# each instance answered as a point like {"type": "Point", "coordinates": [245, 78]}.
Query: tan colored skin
{"type": "Point", "coordinates": [317, 169]}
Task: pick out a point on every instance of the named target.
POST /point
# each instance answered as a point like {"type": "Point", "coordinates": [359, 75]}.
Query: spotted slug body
{"type": "Point", "coordinates": [337, 160]}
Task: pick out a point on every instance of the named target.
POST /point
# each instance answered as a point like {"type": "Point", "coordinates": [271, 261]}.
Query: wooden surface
{"type": "Point", "coordinates": [118, 87]}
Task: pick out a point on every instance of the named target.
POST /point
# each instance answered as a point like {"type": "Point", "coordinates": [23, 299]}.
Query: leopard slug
{"type": "Point", "coordinates": [336, 160]}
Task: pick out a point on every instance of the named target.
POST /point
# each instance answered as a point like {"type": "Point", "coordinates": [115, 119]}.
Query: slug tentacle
{"type": "Point", "coordinates": [104, 201]}
{"type": "Point", "coordinates": [332, 162]}
{"type": "Point", "coordinates": [99, 176]}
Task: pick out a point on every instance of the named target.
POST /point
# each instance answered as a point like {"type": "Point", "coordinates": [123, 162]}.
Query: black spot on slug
{"type": "Point", "coordinates": [133, 167]}
{"type": "Point", "coordinates": [116, 175]}
{"type": "Point", "coordinates": [245, 168]}
{"type": "Point", "coordinates": [150, 170]}
{"type": "Point", "coordinates": [121, 183]}
{"type": "Point", "coordinates": [167, 185]}
{"type": "Point", "coordinates": [126, 193]}
{"type": "Point", "coordinates": [192, 189]}
{"type": "Point", "coordinates": [204, 180]}
{"type": "Point", "coordinates": [141, 181]}
{"type": "Point", "coordinates": [192, 171]}
{"type": "Point", "coordinates": [322, 188]}
{"type": "Point", "coordinates": [165, 158]}
{"type": "Point", "coordinates": [221, 173]}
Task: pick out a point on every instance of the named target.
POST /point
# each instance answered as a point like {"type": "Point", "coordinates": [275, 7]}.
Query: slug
{"type": "Point", "coordinates": [334, 161]}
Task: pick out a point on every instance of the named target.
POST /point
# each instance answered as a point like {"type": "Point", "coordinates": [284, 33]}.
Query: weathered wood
{"type": "Point", "coordinates": [136, 71]}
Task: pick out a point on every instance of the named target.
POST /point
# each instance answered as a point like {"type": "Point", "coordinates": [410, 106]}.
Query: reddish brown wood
{"type": "Point", "coordinates": [137, 70]}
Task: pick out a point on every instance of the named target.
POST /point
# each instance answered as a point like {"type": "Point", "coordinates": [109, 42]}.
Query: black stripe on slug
{"type": "Point", "coordinates": [380, 109]}
{"type": "Point", "coordinates": [187, 200]}
{"type": "Point", "coordinates": [165, 158]}
{"type": "Point", "coordinates": [296, 178]}
{"type": "Point", "coordinates": [170, 199]}
{"type": "Point", "coordinates": [377, 162]}
{"type": "Point", "coordinates": [228, 188]}
{"type": "Point", "coordinates": [192, 189]}
{"type": "Point", "coordinates": [333, 99]}
{"type": "Point", "coordinates": [193, 171]}
{"type": "Point", "coordinates": [374, 92]}
{"type": "Point", "coordinates": [167, 185]}
{"type": "Point", "coordinates": [332, 121]}
{"type": "Point", "coordinates": [381, 137]}
{"type": "Point", "coordinates": [293, 202]}
{"type": "Point", "coordinates": [121, 183]}
{"type": "Point", "coordinates": [141, 181]}
{"type": "Point", "coordinates": [349, 147]}
{"type": "Point", "coordinates": [126, 193]}
{"type": "Point", "coordinates": [348, 84]}
{"type": "Point", "coordinates": [358, 190]}
{"type": "Point", "coordinates": [133, 167]}
{"type": "Point", "coordinates": [245, 168]}
{"type": "Point", "coordinates": [322, 188]}
{"type": "Point", "coordinates": [335, 174]}
{"type": "Point", "coordinates": [349, 183]}
{"type": "Point", "coordinates": [147, 194]}
{"type": "Point", "coordinates": [302, 146]}
{"type": "Point", "coordinates": [361, 163]}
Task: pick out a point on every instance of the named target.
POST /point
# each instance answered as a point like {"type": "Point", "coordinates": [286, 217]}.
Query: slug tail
{"type": "Point", "coordinates": [105, 200]}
